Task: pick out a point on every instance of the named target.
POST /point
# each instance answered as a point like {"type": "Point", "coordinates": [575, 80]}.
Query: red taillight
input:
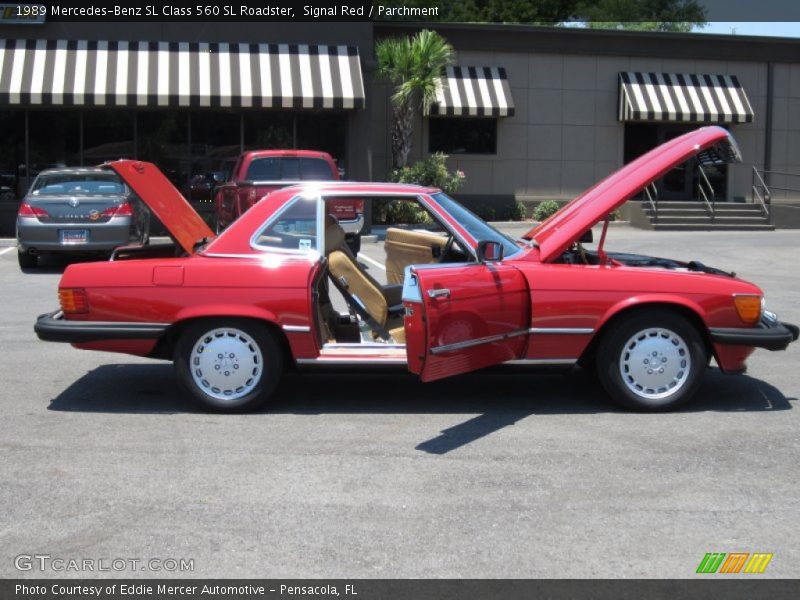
{"type": "Point", "coordinates": [123, 210]}
{"type": "Point", "coordinates": [73, 300]}
{"type": "Point", "coordinates": [26, 211]}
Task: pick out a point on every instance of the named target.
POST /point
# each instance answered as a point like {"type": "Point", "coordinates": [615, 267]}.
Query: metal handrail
{"type": "Point", "coordinates": [710, 204]}
{"type": "Point", "coordinates": [764, 199]}
{"type": "Point", "coordinates": [653, 203]}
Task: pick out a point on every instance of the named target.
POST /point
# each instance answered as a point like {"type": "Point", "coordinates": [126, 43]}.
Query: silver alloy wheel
{"type": "Point", "coordinates": [655, 363]}
{"type": "Point", "coordinates": [226, 363]}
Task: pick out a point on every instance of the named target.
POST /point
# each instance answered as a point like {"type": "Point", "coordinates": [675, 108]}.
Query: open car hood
{"type": "Point", "coordinates": [182, 221]}
{"type": "Point", "coordinates": [711, 145]}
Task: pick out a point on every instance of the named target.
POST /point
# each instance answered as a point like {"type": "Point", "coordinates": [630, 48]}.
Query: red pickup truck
{"type": "Point", "coordinates": [259, 172]}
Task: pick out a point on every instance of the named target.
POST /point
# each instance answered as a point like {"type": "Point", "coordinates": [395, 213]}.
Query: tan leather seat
{"type": "Point", "coordinates": [405, 247]}
{"type": "Point", "coordinates": [347, 272]}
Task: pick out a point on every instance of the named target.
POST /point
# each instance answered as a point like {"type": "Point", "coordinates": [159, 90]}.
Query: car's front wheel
{"type": "Point", "coordinates": [652, 360]}
{"type": "Point", "coordinates": [229, 365]}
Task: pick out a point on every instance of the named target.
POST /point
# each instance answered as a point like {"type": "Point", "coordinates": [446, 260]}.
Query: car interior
{"type": "Point", "coordinates": [359, 298]}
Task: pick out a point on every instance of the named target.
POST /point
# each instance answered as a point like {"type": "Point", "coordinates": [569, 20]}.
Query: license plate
{"type": "Point", "coordinates": [74, 236]}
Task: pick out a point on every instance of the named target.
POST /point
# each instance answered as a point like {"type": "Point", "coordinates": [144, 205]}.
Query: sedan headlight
{"type": "Point", "coordinates": [768, 315]}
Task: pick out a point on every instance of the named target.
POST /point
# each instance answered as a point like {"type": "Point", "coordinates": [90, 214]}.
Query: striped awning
{"type": "Point", "coordinates": [103, 73]}
{"type": "Point", "coordinates": [682, 98]}
{"type": "Point", "coordinates": [473, 92]}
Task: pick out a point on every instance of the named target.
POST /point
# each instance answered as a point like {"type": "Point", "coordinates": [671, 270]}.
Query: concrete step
{"type": "Point", "coordinates": [710, 227]}
{"type": "Point", "coordinates": [703, 213]}
{"type": "Point", "coordinates": [716, 219]}
{"type": "Point", "coordinates": [700, 203]}
{"type": "Point", "coordinates": [695, 216]}
{"type": "Point", "coordinates": [719, 209]}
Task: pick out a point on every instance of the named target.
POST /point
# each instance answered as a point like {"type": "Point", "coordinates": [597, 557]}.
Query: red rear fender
{"type": "Point", "coordinates": [226, 310]}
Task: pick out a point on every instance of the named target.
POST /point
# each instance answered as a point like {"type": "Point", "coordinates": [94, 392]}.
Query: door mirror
{"type": "Point", "coordinates": [489, 251]}
{"type": "Point", "coordinates": [217, 177]}
{"type": "Point", "coordinates": [587, 237]}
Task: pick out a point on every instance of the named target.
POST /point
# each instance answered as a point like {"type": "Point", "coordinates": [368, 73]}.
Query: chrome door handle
{"type": "Point", "coordinates": [439, 293]}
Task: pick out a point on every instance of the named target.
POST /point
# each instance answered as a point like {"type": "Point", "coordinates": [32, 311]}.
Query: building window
{"type": "Point", "coordinates": [467, 135]}
{"type": "Point", "coordinates": [12, 156]}
{"type": "Point", "coordinates": [326, 132]}
{"type": "Point", "coordinates": [681, 183]}
{"type": "Point", "coordinates": [162, 138]}
{"type": "Point", "coordinates": [107, 135]}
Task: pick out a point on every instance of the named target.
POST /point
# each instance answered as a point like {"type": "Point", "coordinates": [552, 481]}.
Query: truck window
{"type": "Point", "coordinates": [264, 169]}
{"type": "Point", "coordinates": [315, 169]}
{"type": "Point", "coordinates": [289, 168]}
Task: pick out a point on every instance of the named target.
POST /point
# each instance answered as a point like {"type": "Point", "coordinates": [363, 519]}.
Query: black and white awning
{"type": "Point", "coordinates": [682, 98]}
{"type": "Point", "coordinates": [473, 92]}
{"type": "Point", "coordinates": [173, 74]}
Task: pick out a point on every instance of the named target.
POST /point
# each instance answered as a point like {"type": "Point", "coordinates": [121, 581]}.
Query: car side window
{"type": "Point", "coordinates": [293, 228]}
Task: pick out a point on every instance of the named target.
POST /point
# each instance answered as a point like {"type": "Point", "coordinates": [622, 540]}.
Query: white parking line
{"type": "Point", "coordinates": [4, 250]}
{"type": "Point", "coordinates": [374, 263]}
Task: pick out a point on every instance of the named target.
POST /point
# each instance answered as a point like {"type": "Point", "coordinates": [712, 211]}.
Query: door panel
{"type": "Point", "coordinates": [464, 317]}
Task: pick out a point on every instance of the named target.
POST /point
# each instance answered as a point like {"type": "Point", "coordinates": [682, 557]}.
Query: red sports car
{"type": "Point", "coordinates": [281, 290]}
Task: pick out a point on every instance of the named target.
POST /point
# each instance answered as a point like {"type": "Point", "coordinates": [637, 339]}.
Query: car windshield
{"type": "Point", "coordinates": [82, 184]}
{"type": "Point", "coordinates": [479, 229]}
{"type": "Point", "coordinates": [276, 168]}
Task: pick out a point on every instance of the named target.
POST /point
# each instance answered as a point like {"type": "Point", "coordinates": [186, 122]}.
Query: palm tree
{"type": "Point", "coordinates": [413, 66]}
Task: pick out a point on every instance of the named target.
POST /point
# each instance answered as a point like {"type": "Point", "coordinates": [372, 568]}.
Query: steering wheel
{"type": "Point", "coordinates": [448, 249]}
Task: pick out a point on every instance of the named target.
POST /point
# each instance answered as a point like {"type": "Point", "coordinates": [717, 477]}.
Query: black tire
{"type": "Point", "coordinates": [250, 395]}
{"type": "Point", "coordinates": [655, 338]}
{"type": "Point", "coordinates": [27, 261]}
{"type": "Point", "coordinates": [145, 237]}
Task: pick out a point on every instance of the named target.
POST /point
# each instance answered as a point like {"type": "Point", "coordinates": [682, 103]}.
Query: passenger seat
{"type": "Point", "coordinates": [345, 270]}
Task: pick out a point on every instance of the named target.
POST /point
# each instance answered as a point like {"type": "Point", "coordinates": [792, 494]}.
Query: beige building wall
{"type": "Point", "coordinates": [564, 135]}
{"type": "Point", "coordinates": [786, 132]}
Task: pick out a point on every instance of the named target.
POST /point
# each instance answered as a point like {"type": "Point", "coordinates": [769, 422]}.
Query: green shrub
{"type": "Point", "coordinates": [545, 209]}
{"type": "Point", "coordinates": [518, 212]}
{"type": "Point", "coordinates": [406, 212]}
{"type": "Point", "coordinates": [487, 213]}
{"type": "Point", "coordinates": [431, 171]}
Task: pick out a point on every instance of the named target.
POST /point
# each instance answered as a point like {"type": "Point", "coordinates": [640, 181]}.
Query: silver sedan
{"type": "Point", "coordinates": [78, 211]}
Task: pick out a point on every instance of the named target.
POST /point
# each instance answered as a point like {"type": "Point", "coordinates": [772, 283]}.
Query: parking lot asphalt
{"type": "Point", "coordinates": [378, 475]}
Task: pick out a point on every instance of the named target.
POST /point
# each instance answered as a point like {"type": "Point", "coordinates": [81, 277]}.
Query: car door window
{"type": "Point", "coordinates": [294, 228]}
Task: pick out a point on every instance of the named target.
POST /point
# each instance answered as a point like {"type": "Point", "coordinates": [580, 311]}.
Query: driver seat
{"type": "Point", "coordinates": [382, 303]}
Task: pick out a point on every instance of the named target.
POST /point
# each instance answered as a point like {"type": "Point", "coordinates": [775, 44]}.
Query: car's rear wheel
{"type": "Point", "coordinates": [229, 365]}
{"type": "Point", "coordinates": [652, 360]}
{"type": "Point", "coordinates": [26, 260]}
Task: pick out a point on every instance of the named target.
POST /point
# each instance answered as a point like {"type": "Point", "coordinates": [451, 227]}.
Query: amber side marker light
{"type": "Point", "coordinates": [749, 308]}
{"type": "Point", "coordinates": [73, 300]}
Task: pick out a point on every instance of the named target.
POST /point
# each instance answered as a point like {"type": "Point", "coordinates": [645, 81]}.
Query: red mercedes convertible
{"type": "Point", "coordinates": [280, 289]}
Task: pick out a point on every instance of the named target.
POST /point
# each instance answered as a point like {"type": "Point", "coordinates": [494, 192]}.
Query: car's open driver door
{"type": "Point", "coordinates": [462, 317]}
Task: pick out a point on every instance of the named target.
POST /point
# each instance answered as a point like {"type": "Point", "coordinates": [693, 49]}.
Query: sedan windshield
{"type": "Point", "coordinates": [77, 184]}
{"type": "Point", "coordinates": [479, 229]}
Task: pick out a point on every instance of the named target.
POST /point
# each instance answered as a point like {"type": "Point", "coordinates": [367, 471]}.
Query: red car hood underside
{"type": "Point", "coordinates": [166, 202]}
{"type": "Point", "coordinates": [565, 227]}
